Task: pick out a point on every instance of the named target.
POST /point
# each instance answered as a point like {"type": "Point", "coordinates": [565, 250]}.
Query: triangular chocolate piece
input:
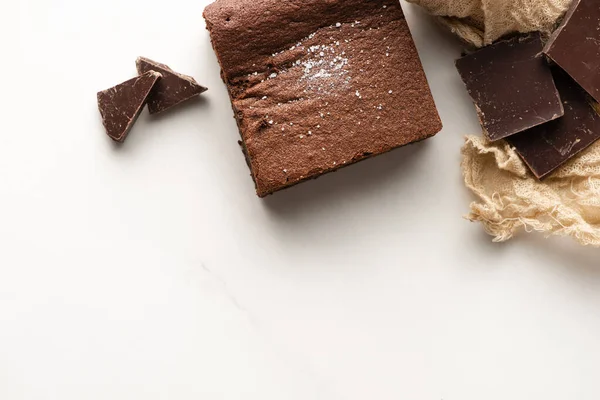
{"type": "Point", "coordinates": [172, 89]}
{"type": "Point", "coordinates": [121, 105]}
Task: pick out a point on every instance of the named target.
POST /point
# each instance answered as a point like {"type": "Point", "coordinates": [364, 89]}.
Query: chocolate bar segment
{"type": "Point", "coordinates": [511, 86]}
{"type": "Point", "coordinates": [173, 89]}
{"type": "Point", "coordinates": [121, 105]}
{"type": "Point", "coordinates": [318, 85]}
{"type": "Point", "coordinates": [575, 45]}
{"type": "Point", "coordinates": [547, 147]}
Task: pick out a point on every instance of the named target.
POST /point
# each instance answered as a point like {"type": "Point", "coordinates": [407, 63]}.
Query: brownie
{"type": "Point", "coordinates": [317, 85]}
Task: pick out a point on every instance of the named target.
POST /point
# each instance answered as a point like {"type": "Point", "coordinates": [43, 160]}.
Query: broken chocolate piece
{"type": "Point", "coordinates": [172, 89]}
{"type": "Point", "coordinates": [511, 86]}
{"type": "Point", "coordinates": [318, 85]}
{"type": "Point", "coordinates": [547, 147]}
{"type": "Point", "coordinates": [121, 105]}
{"type": "Point", "coordinates": [575, 45]}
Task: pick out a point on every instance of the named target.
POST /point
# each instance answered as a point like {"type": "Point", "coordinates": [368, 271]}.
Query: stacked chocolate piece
{"type": "Point", "coordinates": [543, 99]}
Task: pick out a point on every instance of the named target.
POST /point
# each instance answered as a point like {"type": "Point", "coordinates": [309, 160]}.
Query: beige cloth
{"type": "Point", "coordinates": [481, 22]}
{"type": "Point", "coordinates": [509, 197]}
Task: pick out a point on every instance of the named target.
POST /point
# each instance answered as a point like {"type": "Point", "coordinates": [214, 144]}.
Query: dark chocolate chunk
{"type": "Point", "coordinates": [511, 86]}
{"type": "Point", "coordinates": [172, 89]}
{"type": "Point", "coordinates": [547, 147]}
{"type": "Point", "coordinates": [121, 105]}
{"type": "Point", "coordinates": [575, 45]}
{"type": "Point", "coordinates": [318, 85]}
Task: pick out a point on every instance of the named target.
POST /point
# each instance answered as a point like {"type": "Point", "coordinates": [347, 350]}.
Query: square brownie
{"type": "Point", "coordinates": [317, 85]}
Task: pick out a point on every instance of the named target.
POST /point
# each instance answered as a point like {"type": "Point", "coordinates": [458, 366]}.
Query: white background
{"type": "Point", "coordinates": [152, 271]}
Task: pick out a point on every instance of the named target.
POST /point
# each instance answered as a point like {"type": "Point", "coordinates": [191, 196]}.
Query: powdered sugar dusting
{"type": "Point", "coordinates": [322, 69]}
{"type": "Point", "coordinates": [324, 66]}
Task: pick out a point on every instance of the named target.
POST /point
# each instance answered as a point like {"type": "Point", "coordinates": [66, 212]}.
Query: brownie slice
{"type": "Point", "coordinates": [317, 85]}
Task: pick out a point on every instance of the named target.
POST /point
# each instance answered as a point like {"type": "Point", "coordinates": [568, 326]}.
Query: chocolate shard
{"type": "Point", "coordinates": [172, 89]}
{"type": "Point", "coordinates": [575, 45]}
{"type": "Point", "coordinates": [511, 86]}
{"type": "Point", "coordinates": [547, 147]}
{"type": "Point", "coordinates": [121, 105]}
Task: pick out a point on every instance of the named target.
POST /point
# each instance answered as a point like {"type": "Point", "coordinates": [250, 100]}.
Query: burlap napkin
{"type": "Point", "coordinates": [481, 22]}
{"type": "Point", "coordinates": [509, 197]}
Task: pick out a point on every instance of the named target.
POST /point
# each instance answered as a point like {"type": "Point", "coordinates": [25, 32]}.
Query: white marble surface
{"type": "Point", "coordinates": [153, 272]}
